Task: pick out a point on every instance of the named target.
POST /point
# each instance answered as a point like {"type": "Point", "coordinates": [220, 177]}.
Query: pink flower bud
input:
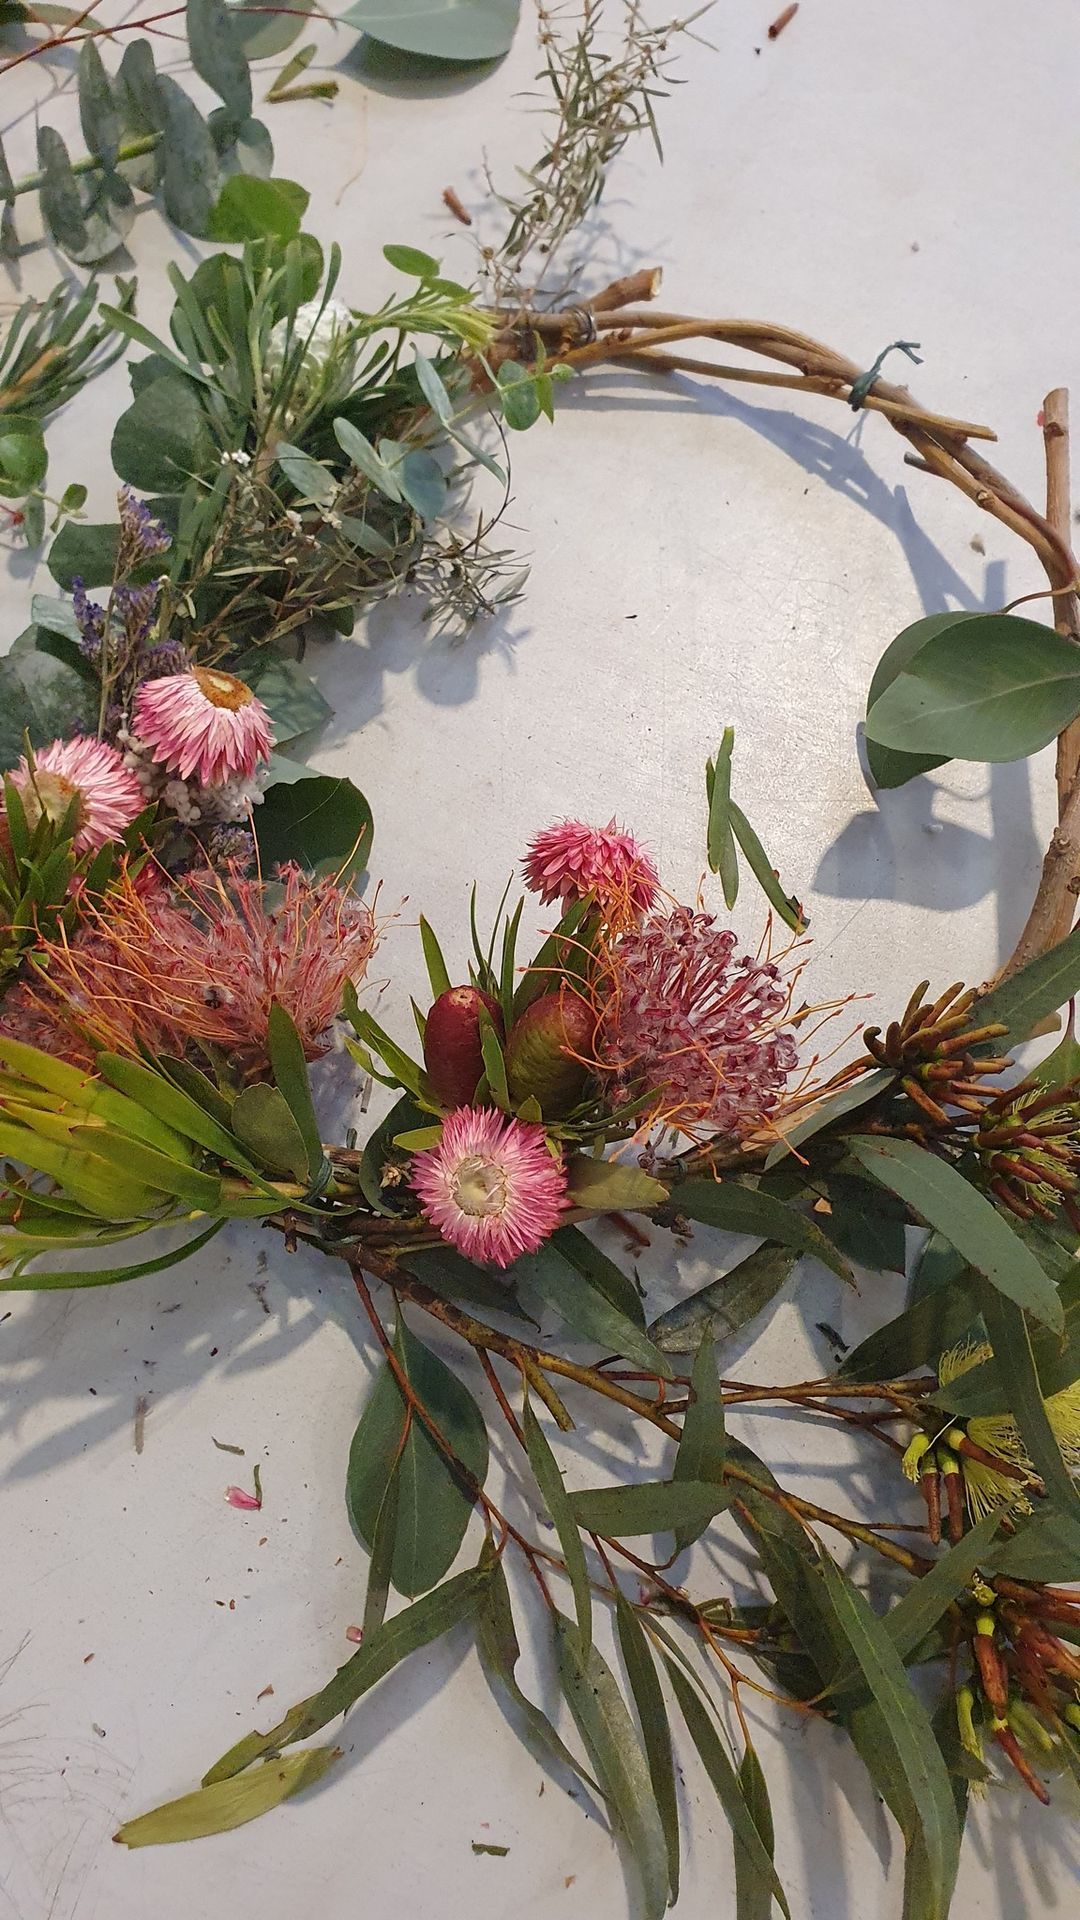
{"type": "Point", "coordinates": [452, 1052]}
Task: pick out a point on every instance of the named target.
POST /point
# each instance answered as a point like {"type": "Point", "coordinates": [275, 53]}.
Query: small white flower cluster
{"type": "Point", "coordinates": [231, 801]}
{"type": "Point", "coordinates": [237, 458]}
{"type": "Point", "coordinates": [320, 330]}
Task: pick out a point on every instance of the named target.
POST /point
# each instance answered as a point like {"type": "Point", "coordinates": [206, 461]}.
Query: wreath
{"type": "Point", "coordinates": [185, 932]}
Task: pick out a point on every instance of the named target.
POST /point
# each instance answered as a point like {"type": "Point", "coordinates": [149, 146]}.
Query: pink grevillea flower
{"type": "Point", "coordinates": [491, 1186]}
{"type": "Point", "coordinates": [203, 963]}
{"type": "Point", "coordinates": [23, 1016]}
{"type": "Point", "coordinates": [694, 1026]}
{"type": "Point", "coordinates": [108, 797]}
{"type": "Point", "coordinates": [203, 722]}
{"type": "Point", "coordinates": [570, 861]}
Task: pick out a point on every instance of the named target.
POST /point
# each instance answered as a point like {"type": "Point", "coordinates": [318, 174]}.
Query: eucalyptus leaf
{"type": "Point", "coordinates": [617, 1758]}
{"type": "Point", "coordinates": [455, 30]}
{"type": "Point", "coordinates": [1010, 1339]}
{"type": "Point", "coordinates": [42, 697]}
{"type": "Point", "coordinates": [435, 1495]}
{"type": "Point", "coordinates": [600, 1272]}
{"type": "Point", "coordinates": [649, 1506]}
{"type": "Point", "coordinates": [1045, 1548]}
{"type": "Point", "coordinates": [499, 1651]}
{"type": "Point", "coordinates": [23, 458]}
{"type": "Point", "coordinates": [548, 1476]}
{"type": "Point", "coordinates": [323, 822]}
{"type": "Point", "coordinates": [1028, 997]}
{"type": "Point", "coordinates": [518, 396]}
{"type": "Point", "coordinates": [947, 1201]}
{"type": "Point", "coordinates": [190, 176]}
{"type": "Point", "coordinates": [263, 35]}
{"type": "Point", "coordinates": [753, 1892]}
{"type": "Point", "coordinates": [249, 208]}
{"type": "Point", "coordinates": [915, 1338]}
{"type": "Point", "coordinates": [452, 1277]}
{"type": "Point", "coordinates": [738, 1209]}
{"type": "Point", "coordinates": [992, 687]}
{"type": "Point", "coordinates": [163, 439]}
{"type": "Point", "coordinates": [311, 479]}
{"type": "Point", "coordinates": [218, 56]}
{"type": "Point", "coordinates": [655, 1731]}
{"type": "Point", "coordinates": [721, 841]}
{"type": "Point", "coordinates": [229, 1803]}
{"type": "Point", "coordinates": [725, 1306]}
{"type": "Point", "coordinates": [98, 116]}
{"type": "Point", "coordinates": [867, 1224]}
{"type": "Point", "coordinates": [909, 1769]}
{"type": "Point", "coordinates": [837, 1106]}
{"type": "Point", "coordinates": [611, 1186]}
{"type": "Point", "coordinates": [703, 1446]}
{"type": "Point", "coordinates": [365, 459]}
{"type": "Point", "coordinates": [725, 1782]}
{"type": "Point", "coordinates": [84, 551]}
{"type": "Point", "coordinates": [585, 1310]}
{"type": "Point", "coordinates": [889, 767]}
{"type": "Point", "coordinates": [414, 1627]}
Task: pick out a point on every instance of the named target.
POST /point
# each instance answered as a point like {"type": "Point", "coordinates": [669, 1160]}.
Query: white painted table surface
{"type": "Point", "coordinates": [701, 556]}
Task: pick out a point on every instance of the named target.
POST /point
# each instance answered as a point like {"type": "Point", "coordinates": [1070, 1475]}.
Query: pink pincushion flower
{"type": "Point", "coordinates": [570, 861]}
{"type": "Point", "coordinates": [203, 722]}
{"type": "Point", "coordinates": [202, 964]}
{"type": "Point", "coordinates": [491, 1186]}
{"type": "Point", "coordinates": [687, 1021]}
{"type": "Point", "coordinates": [90, 772]}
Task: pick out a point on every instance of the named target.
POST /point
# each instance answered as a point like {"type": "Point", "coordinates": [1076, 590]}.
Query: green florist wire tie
{"type": "Point", "coordinates": [861, 387]}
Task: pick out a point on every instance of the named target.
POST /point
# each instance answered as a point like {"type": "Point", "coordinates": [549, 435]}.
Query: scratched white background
{"type": "Point", "coordinates": [701, 557]}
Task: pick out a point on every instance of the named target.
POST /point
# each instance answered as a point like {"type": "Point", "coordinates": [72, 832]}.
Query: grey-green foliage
{"type": "Point", "coordinates": [144, 133]}
{"type": "Point", "coordinates": [49, 350]}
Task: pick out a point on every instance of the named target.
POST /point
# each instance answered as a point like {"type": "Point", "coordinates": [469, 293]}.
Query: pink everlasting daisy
{"type": "Point", "coordinates": [693, 1025]}
{"type": "Point", "coordinates": [203, 722]}
{"type": "Point", "coordinates": [570, 861]}
{"type": "Point", "coordinates": [491, 1186]}
{"type": "Point", "coordinates": [108, 797]}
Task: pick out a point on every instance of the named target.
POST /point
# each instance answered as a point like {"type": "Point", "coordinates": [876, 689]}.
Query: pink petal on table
{"type": "Point", "coordinates": [247, 1502]}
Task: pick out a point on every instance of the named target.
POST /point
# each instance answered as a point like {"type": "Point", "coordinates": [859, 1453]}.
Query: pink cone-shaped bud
{"type": "Point", "coordinates": [452, 1052]}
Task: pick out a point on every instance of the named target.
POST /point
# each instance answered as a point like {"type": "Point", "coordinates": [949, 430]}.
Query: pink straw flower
{"type": "Point", "coordinates": [491, 1186]}
{"type": "Point", "coordinates": [688, 1022]}
{"type": "Point", "coordinates": [203, 722]}
{"type": "Point", "coordinates": [570, 861]}
{"type": "Point", "coordinates": [86, 770]}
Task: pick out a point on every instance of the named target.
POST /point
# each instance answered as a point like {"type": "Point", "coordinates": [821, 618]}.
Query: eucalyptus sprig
{"type": "Point", "coordinates": [144, 134]}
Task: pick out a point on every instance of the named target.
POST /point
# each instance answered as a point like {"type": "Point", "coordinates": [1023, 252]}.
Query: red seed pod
{"type": "Point", "coordinates": [547, 1050]}
{"type": "Point", "coordinates": [930, 1488]}
{"type": "Point", "coordinates": [1010, 1746]}
{"type": "Point", "coordinates": [1032, 1680]}
{"type": "Point", "coordinates": [1046, 1648]}
{"type": "Point", "coordinates": [452, 1052]}
{"type": "Point", "coordinates": [991, 1667]}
